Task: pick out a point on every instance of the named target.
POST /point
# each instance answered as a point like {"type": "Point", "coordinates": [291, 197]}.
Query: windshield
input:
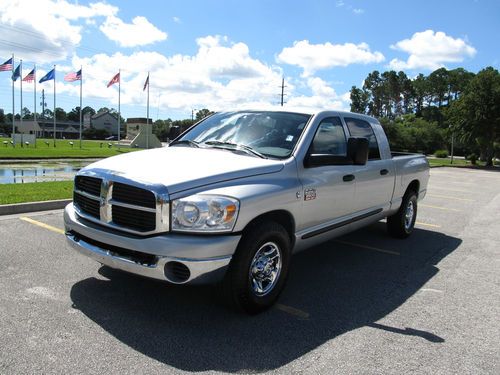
{"type": "Point", "coordinates": [272, 134]}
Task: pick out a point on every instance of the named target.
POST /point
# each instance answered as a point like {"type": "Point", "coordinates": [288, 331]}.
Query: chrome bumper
{"type": "Point", "coordinates": [165, 251]}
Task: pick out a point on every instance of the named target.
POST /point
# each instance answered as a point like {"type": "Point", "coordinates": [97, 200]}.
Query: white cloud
{"type": "Point", "coordinates": [323, 97]}
{"type": "Point", "coordinates": [220, 75]}
{"type": "Point", "coordinates": [49, 30]}
{"type": "Point", "coordinates": [313, 57]}
{"type": "Point", "coordinates": [177, 20]}
{"type": "Point", "coordinates": [358, 11]}
{"type": "Point", "coordinates": [138, 33]}
{"type": "Point", "coordinates": [431, 50]}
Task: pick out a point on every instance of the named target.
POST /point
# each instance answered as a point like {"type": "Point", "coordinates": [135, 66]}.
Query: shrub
{"type": "Point", "coordinates": [473, 159]}
{"type": "Point", "coordinates": [441, 154]}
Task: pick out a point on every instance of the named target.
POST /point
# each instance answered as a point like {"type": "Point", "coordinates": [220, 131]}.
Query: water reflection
{"type": "Point", "coordinates": [39, 172]}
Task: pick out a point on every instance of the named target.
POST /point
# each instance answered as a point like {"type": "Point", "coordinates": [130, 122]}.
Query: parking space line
{"type": "Point", "coordinates": [368, 247]}
{"type": "Point", "coordinates": [43, 225]}
{"type": "Point", "coordinates": [454, 198]}
{"type": "Point", "coordinates": [428, 225]}
{"type": "Point", "coordinates": [448, 189]}
{"type": "Point", "coordinates": [292, 311]}
{"type": "Point", "coordinates": [439, 207]}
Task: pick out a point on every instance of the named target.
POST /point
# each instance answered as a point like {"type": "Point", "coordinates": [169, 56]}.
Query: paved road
{"type": "Point", "coordinates": [363, 304]}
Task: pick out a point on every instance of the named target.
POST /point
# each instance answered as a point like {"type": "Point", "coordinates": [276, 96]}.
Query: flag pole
{"type": "Point", "coordinates": [147, 120]}
{"type": "Point", "coordinates": [13, 106]}
{"type": "Point", "coordinates": [54, 106]}
{"type": "Point", "coordinates": [81, 84]}
{"type": "Point", "coordinates": [119, 90]}
{"type": "Point", "coordinates": [34, 94]}
{"type": "Point", "coordinates": [21, 107]}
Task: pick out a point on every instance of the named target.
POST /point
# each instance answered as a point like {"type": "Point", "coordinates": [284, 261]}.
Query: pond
{"type": "Point", "coordinates": [16, 173]}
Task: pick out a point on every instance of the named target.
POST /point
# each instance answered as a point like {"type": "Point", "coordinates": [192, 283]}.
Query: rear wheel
{"type": "Point", "coordinates": [259, 268]}
{"type": "Point", "coordinates": [401, 224]}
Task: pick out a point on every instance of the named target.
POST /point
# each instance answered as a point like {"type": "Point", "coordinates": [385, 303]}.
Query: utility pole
{"type": "Point", "coordinates": [282, 90]}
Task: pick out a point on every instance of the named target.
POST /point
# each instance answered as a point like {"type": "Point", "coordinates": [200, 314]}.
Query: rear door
{"type": "Point", "coordinates": [375, 179]}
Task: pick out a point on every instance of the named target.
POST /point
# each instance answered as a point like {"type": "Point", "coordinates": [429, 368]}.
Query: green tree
{"type": "Point", "coordinates": [476, 113]}
{"type": "Point", "coordinates": [61, 114]}
{"type": "Point", "coordinates": [202, 113]}
{"type": "Point", "coordinates": [74, 114]}
{"type": "Point", "coordinates": [359, 100]}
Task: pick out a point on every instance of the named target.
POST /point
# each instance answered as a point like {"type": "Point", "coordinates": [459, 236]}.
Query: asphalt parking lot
{"type": "Point", "coordinates": [365, 303]}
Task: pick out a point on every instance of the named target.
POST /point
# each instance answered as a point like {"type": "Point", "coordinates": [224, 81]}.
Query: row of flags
{"type": "Point", "coordinates": [51, 75]}
{"type": "Point", "coordinates": [70, 77]}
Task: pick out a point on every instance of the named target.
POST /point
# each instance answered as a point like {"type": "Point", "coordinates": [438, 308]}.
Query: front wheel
{"type": "Point", "coordinates": [259, 268]}
{"type": "Point", "coordinates": [401, 224]}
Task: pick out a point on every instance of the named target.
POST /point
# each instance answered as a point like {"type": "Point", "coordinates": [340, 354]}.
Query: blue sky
{"type": "Point", "coordinates": [228, 54]}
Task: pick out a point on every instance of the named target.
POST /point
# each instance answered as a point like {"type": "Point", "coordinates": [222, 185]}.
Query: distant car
{"type": "Point", "coordinates": [111, 138]}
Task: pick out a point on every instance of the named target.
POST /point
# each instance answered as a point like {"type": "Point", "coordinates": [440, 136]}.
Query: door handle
{"type": "Point", "coordinates": [384, 171]}
{"type": "Point", "coordinates": [348, 177]}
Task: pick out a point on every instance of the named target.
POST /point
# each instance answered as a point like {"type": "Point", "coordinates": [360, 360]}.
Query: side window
{"type": "Point", "coordinates": [330, 138]}
{"type": "Point", "coordinates": [361, 128]}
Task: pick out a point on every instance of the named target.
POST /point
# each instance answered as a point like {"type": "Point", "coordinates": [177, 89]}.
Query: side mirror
{"type": "Point", "coordinates": [357, 150]}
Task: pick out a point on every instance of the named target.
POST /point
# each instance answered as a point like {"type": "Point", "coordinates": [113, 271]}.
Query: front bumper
{"type": "Point", "coordinates": [198, 259]}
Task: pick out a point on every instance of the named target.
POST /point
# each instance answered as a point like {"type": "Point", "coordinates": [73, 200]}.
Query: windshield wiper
{"type": "Point", "coordinates": [235, 146]}
{"type": "Point", "coordinates": [185, 142]}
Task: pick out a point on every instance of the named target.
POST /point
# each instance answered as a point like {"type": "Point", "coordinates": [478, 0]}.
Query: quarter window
{"type": "Point", "coordinates": [361, 128]}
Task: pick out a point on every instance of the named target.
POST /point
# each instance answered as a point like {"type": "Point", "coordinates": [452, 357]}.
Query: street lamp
{"type": "Point", "coordinates": [192, 114]}
{"type": "Point", "coordinates": [452, 142]}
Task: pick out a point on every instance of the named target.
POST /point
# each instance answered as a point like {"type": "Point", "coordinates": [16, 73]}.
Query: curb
{"type": "Point", "coordinates": [19, 208]}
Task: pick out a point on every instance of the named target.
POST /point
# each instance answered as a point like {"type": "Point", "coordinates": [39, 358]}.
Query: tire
{"type": "Point", "coordinates": [258, 271]}
{"type": "Point", "coordinates": [401, 224]}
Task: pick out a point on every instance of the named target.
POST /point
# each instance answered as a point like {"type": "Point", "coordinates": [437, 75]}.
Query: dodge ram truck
{"type": "Point", "coordinates": [232, 198]}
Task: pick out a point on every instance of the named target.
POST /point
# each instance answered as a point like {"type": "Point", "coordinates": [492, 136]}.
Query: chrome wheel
{"type": "Point", "coordinates": [265, 268]}
{"type": "Point", "coordinates": [409, 214]}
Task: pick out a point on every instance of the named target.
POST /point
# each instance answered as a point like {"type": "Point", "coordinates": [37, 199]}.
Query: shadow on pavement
{"type": "Point", "coordinates": [341, 287]}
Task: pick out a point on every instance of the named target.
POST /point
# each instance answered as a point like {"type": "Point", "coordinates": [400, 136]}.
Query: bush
{"type": "Point", "coordinates": [473, 159]}
{"type": "Point", "coordinates": [441, 154]}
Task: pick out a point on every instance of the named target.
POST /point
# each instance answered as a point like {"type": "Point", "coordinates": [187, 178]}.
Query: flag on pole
{"type": "Point", "coordinates": [30, 77]}
{"type": "Point", "coordinates": [146, 84]}
{"type": "Point", "coordinates": [49, 76]}
{"type": "Point", "coordinates": [114, 80]}
{"type": "Point", "coordinates": [74, 76]}
{"type": "Point", "coordinates": [17, 73]}
{"type": "Point", "coordinates": [6, 66]}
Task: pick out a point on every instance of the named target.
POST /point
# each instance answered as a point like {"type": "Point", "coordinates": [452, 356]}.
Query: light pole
{"type": "Point", "coordinates": [452, 142]}
{"type": "Point", "coordinates": [192, 114]}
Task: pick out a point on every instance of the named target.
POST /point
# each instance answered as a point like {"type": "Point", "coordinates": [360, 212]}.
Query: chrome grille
{"type": "Point", "coordinates": [140, 220]}
{"type": "Point", "coordinates": [120, 205]}
{"type": "Point", "coordinates": [133, 195]}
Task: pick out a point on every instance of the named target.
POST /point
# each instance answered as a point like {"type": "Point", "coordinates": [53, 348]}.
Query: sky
{"type": "Point", "coordinates": [230, 54]}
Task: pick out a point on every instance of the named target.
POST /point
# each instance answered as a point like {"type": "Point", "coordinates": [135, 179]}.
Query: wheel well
{"type": "Point", "coordinates": [281, 217]}
{"type": "Point", "coordinates": [414, 186]}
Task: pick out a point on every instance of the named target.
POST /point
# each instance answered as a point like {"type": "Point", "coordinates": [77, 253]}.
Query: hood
{"type": "Point", "coordinates": [182, 168]}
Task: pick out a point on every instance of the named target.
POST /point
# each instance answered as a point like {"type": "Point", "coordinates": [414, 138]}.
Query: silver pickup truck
{"type": "Point", "coordinates": [232, 199]}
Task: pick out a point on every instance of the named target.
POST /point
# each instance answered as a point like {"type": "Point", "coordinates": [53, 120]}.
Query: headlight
{"type": "Point", "coordinates": [204, 213]}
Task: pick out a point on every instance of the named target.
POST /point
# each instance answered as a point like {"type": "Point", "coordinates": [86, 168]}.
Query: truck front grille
{"type": "Point", "coordinates": [87, 205]}
{"type": "Point", "coordinates": [119, 205]}
{"type": "Point", "coordinates": [141, 221]}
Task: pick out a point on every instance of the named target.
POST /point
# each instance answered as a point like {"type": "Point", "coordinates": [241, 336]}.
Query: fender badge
{"type": "Point", "coordinates": [309, 194]}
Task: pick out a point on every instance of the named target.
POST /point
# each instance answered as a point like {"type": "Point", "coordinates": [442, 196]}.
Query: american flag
{"type": "Point", "coordinates": [114, 80]}
{"type": "Point", "coordinates": [30, 77]}
{"type": "Point", "coordinates": [74, 76]}
{"type": "Point", "coordinates": [6, 66]}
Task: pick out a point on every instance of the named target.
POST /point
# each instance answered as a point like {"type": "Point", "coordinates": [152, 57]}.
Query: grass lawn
{"type": "Point", "coordinates": [63, 149]}
{"type": "Point", "coordinates": [446, 162]}
{"type": "Point", "coordinates": [35, 191]}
